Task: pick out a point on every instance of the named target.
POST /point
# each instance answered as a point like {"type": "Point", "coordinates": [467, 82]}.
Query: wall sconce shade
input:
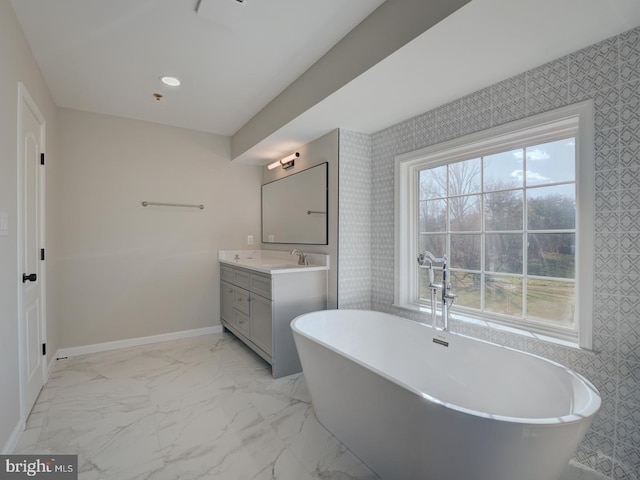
{"type": "Point", "coordinates": [286, 162]}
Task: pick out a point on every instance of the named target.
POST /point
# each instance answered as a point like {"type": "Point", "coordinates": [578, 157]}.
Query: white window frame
{"type": "Point", "coordinates": [574, 120]}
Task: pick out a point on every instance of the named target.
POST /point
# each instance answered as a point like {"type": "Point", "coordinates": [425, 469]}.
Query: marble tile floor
{"type": "Point", "coordinates": [196, 408]}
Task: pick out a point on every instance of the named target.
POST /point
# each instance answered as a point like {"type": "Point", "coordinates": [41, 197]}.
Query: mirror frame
{"type": "Point", "coordinates": [291, 178]}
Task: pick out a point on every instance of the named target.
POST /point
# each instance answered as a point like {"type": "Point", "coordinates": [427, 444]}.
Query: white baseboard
{"type": "Point", "coordinates": [52, 364]}
{"type": "Point", "coordinates": [14, 438]}
{"type": "Point", "coordinates": [134, 342]}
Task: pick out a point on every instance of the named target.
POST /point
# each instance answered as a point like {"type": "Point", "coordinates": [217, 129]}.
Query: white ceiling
{"type": "Point", "coordinates": [107, 57]}
{"type": "Point", "coordinates": [482, 43]}
{"type": "Point", "coordinates": [233, 58]}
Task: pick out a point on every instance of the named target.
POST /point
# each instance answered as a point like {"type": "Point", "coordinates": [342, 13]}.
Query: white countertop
{"type": "Point", "coordinates": [272, 262]}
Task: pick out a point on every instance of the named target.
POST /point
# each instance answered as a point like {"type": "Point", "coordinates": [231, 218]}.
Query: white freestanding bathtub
{"type": "Point", "coordinates": [416, 403]}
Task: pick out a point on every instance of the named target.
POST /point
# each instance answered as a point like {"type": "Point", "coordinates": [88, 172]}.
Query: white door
{"type": "Point", "coordinates": [31, 235]}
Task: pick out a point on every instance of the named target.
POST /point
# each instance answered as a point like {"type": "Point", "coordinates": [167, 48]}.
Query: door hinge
{"type": "Point", "coordinates": [42, 254]}
{"type": "Point", "coordinates": [44, 349]}
{"type": "Point", "coordinates": [42, 159]}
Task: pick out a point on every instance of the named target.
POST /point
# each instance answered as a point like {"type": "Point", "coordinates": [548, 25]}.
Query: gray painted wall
{"type": "Point", "coordinates": [124, 271]}
{"type": "Point", "coordinates": [17, 64]}
{"type": "Point", "coordinates": [321, 150]}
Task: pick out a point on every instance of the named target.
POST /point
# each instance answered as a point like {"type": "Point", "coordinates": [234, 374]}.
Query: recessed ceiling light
{"type": "Point", "coordinates": [171, 81]}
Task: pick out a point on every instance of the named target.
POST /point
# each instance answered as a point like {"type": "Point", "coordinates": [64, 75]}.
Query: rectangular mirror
{"type": "Point", "coordinates": [294, 208]}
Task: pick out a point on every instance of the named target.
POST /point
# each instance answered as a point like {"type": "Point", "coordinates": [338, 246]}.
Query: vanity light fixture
{"type": "Point", "coordinates": [171, 81]}
{"type": "Point", "coordinates": [286, 162]}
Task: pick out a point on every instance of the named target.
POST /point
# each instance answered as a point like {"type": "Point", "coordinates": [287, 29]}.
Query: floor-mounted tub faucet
{"type": "Point", "coordinates": [302, 258]}
{"type": "Point", "coordinates": [426, 260]}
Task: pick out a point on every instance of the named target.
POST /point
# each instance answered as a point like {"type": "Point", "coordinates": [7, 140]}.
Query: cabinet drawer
{"type": "Point", "coordinates": [226, 274]}
{"type": "Point", "coordinates": [261, 285]}
{"type": "Point", "coordinates": [241, 279]}
{"type": "Point", "coordinates": [241, 300]}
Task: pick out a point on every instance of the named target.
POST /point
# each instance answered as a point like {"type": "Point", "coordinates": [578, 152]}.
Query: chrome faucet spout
{"type": "Point", "coordinates": [302, 258]}
{"type": "Point", "coordinates": [426, 260]}
{"type": "Point", "coordinates": [445, 308]}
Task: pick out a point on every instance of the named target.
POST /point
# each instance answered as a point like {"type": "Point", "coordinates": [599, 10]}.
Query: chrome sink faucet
{"type": "Point", "coordinates": [302, 258]}
{"type": "Point", "coordinates": [426, 260]}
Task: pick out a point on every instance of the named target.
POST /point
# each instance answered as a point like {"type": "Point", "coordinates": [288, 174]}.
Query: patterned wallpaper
{"type": "Point", "coordinates": [609, 74]}
{"type": "Point", "coordinates": [354, 247]}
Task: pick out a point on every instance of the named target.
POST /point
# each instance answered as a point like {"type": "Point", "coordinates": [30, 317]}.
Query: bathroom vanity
{"type": "Point", "coordinates": [261, 292]}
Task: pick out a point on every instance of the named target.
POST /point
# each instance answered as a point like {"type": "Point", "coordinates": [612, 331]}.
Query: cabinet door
{"type": "Point", "coordinates": [226, 302]}
{"type": "Point", "coordinates": [261, 323]}
{"type": "Point", "coordinates": [241, 322]}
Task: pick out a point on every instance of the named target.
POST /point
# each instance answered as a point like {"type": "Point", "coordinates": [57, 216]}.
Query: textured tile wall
{"type": "Point", "coordinates": [354, 247]}
{"type": "Point", "coordinates": [608, 73]}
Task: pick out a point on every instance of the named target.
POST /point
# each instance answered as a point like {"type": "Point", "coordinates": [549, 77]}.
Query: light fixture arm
{"type": "Point", "coordinates": [286, 162]}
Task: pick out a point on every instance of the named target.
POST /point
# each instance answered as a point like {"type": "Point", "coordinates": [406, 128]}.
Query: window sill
{"type": "Point", "coordinates": [495, 326]}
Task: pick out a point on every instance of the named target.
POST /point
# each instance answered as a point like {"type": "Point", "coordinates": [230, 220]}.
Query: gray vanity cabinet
{"type": "Point", "coordinates": [258, 308]}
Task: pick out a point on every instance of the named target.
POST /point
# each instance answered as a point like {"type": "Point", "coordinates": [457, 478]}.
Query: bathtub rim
{"type": "Point", "coordinates": [591, 407]}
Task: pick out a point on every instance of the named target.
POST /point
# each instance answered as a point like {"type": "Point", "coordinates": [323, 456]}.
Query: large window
{"type": "Point", "coordinates": [511, 208]}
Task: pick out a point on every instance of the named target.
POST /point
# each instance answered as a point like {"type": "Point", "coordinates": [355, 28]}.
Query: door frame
{"type": "Point", "coordinates": [25, 99]}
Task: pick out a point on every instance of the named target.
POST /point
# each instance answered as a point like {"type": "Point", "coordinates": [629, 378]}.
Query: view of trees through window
{"type": "Point", "coordinates": [506, 221]}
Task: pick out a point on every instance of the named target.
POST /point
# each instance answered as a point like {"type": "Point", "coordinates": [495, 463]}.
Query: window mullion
{"type": "Point", "coordinates": [482, 238]}
{"type": "Point", "coordinates": [447, 242]}
{"type": "Point", "coordinates": [416, 223]}
{"type": "Point", "coordinates": [525, 236]}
